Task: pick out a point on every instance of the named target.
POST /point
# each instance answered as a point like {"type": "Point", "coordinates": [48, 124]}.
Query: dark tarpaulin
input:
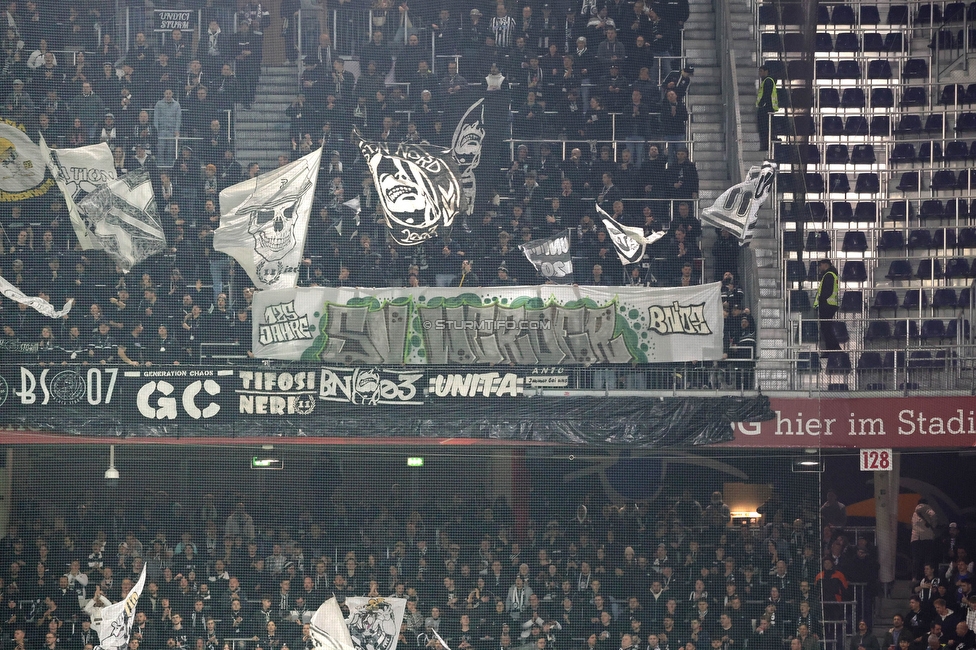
{"type": "Point", "coordinates": [654, 422]}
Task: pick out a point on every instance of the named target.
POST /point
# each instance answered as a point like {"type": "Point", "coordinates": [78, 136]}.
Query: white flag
{"type": "Point", "coordinates": [79, 172]}
{"type": "Point", "coordinates": [374, 623]}
{"type": "Point", "coordinates": [264, 221]}
{"type": "Point", "coordinates": [629, 241]}
{"type": "Point", "coordinates": [41, 305]}
{"type": "Point", "coordinates": [469, 134]}
{"type": "Point", "coordinates": [117, 619]}
{"type": "Point", "coordinates": [737, 209]}
{"type": "Point", "coordinates": [328, 628]}
{"type": "Point", "coordinates": [121, 218]}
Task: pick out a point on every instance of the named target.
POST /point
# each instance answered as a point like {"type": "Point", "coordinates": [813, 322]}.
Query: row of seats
{"type": "Point", "coordinates": [940, 180]}
{"type": "Point", "coordinates": [900, 270]}
{"type": "Point", "coordinates": [797, 125]}
{"type": "Point", "coordinates": [867, 14]}
{"type": "Point", "coordinates": [856, 241]}
{"type": "Point", "coordinates": [867, 211]}
{"type": "Point", "coordinates": [864, 154]}
{"type": "Point", "coordinates": [885, 331]}
{"type": "Point", "coordinates": [911, 97]}
{"type": "Point", "coordinates": [927, 152]}
{"type": "Point", "coordinates": [853, 302]}
{"type": "Point", "coordinates": [793, 43]}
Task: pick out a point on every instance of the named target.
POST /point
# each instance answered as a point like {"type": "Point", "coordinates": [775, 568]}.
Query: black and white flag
{"type": "Point", "coordinates": [328, 628]}
{"type": "Point", "coordinates": [374, 623]}
{"type": "Point", "coordinates": [737, 209]}
{"type": "Point", "coordinates": [117, 619]}
{"type": "Point", "coordinates": [264, 221]}
{"type": "Point", "coordinates": [78, 172]}
{"type": "Point", "coordinates": [466, 150]}
{"type": "Point", "coordinates": [629, 241]}
{"type": "Point", "coordinates": [551, 257]}
{"type": "Point", "coordinates": [121, 218]}
{"type": "Point", "coordinates": [418, 186]}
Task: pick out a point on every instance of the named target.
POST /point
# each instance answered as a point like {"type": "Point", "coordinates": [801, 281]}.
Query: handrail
{"type": "Point", "coordinates": [730, 82]}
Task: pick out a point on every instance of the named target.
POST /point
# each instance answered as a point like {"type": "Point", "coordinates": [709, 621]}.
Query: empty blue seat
{"type": "Point", "coordinates": [829, 98]}
{"type": "Point", "coordinates": [905, 329]}
{"type": "Point", "coordinates": [915, 298]}
{"type": "Point", "coordinates": [799, 300]}
{"type": "Point", "coordinates": [909, 182]}
{"type": "Point", "coordinates": [942, 180]}
{"type": "Point", "coordinates": [852, 302]}
{"type": "Point", "coordinates": [823, 42]}
{"type": "Point", "coordinates": [902, 152]}
{"type": "Point", "coordinates": [957, 267]}
{"type": "Point", "coordinates": [885, 299]}
{"type": "Point", "coordinates": [929, 270]}
{"type": "Point", "coordinates": [818, 242]}
{"type": "Point", "coordinates": [881, 125]}
{"type": "Point", "coordinates": [870, 15]}
{"type": "Point", "coordinates": [932, 329]}
{"type": "Point", "coordinates": [897, 15]}
{"type": "Point", "coordinates": [795, 271]}
{"type": "Point", "coordinates": [855, 241]}
{"type": "Point", "coordinates": [901, 210]}
{"type": "Point", "coordinates": [841, 211]}
{"type": "Point", "coordinates": [891, 240]}
{"type": "Point", "coordinates": [852, 97]}
{"type": "Point", "coordinates": [854, 271]}
{"type": "Point", "coordinates": [847, 42]}
{"type": "Point", "coordinates": [770, 43]}
{"type": "Point", "coordinates": [834, 125]}
{"type": "Point", "coordinates": [930, 152]}
{"type": "Point", "coordinates": [842, 15]}
{"type": "Point", "coordinates": [839, 183]}
{"type": "Point", "coordinates": [878, 330]}
{"type": "Point", "coordinates": [956, 150]}
{"type": "Point", "coordinates": [956, 209]}
{"type": "Point", "coordinates": [909, 124]}
{"type": "Point", "coordinates": [934, 123]}
{"type": "Point", "coordinates": [837, 154]}
{"type": "Point", "coordinates": [966, 122]}
{"type": "Point", "coordinates": [838, 362]}
{"type": "Point", "coordinates": [863, 154]}
{"type": "Point", "coordinates": [879, 69]}
{"type": "Point", "coordinates": [915, 69]}
{"type": "Point", "coordinates": [873, 42]}
{"type": "Point", "coordinates": [952, 94]}
{"type": "Point", "coordinates": [792, 13]}
{"type": "Point", "coordinates": [919, 239]}
{"type": "Point", "coordinates": [867, 183]}
{"type": "Point", "coordinates": [768, 14]}
{"type": "Point", "coordinates": [945, 238]}
{"type": "Point", "coordinates": [847, 69]}
{"type": "Point", "coordinates": [899, 270]}
{"type": "Point", "coordinates": [825, 69]}
{"type": "Point", "coordinates": [866, 211]}
{"type": "Point", "coordinates": [882, 98]}
{"type": "Point", "coordinates": [967, 238]}
{"type": "Point", "coordinates": [944, 298]}
{"type": "Point", "coordinates": [913, 96]}
{"type": "Point", "coordinates": [931, 209]}
{"type": "Point", "coordinates": [855, 125]}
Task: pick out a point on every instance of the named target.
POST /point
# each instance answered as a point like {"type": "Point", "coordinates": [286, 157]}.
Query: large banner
{"type": "Point", "coordinates": [548, 325]}
{"type": "Point", "coordinates": [78, 172]}
{"type": "Point", "coordinates": [737, 208]}
{"type": "Point", "coordinates": [539, 404]}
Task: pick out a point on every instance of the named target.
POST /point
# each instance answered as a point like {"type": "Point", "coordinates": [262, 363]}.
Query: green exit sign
{"type": "Point", "coordinates": [266, 463]}
{"type": "Point", "coordinates": [415, 461]}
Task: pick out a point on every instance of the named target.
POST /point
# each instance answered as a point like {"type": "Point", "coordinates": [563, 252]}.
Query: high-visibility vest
{"type": "Point", "coordinates": [774, 96]}
{"type": "Point", "coordinates": [832, 298]}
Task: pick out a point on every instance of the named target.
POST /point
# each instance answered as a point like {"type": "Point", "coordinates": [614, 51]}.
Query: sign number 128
{"type": "Point", "coordinates": [875, 460]}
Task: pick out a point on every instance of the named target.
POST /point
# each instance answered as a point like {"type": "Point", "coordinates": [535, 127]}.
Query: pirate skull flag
{"type": "Point", "coordinates": [466, 150]}
{"type": "Point", "coordinates": [264, 221]}
{"type": "Point", "coordinates": [418, 186]}
{"type": "Point", "coordinates": [120, 218]}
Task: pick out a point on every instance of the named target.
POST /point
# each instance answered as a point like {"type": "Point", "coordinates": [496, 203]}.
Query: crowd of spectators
{"type": "Point", "coordinates": [563, 75]}
{"type": "Point", "coordinates": [656, 576]}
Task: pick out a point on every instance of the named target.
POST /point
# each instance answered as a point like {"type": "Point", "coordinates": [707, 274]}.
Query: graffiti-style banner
{"type": "Point", "coordinates": [543, 325]}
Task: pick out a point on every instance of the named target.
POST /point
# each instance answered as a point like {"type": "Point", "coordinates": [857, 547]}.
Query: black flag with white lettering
{"type": "Point", "coordinates": [551, 257]}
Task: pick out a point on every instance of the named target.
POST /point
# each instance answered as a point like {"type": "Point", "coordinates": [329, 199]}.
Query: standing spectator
{"type": "Point", "coordinates": [247, 51]}
{"type": "Point", "coordinates": [826, 303]}
{"type": "Point", "coordinates": [167, 119]}
{"type": "Point", "coordinates": [89, 108]}
{"type": "Point", "coordinates": [833, 512]}
{"type": "Point", "coordinates": [673, 124]}
{"type": "Point", "coordinates": [924, 522]}
{"type": "Point", "coordinates": [767, 101]}
{"type": "Point", "coordinates": [503, 27]}
{"type": "Point", "coordinates": [239, 523]}
{"type": "Point", "coordinates": [214, 49]}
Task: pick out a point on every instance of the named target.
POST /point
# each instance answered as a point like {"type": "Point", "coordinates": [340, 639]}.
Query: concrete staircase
{"type": "Point", "coordinates": [262, 132]}
{"type": "Point", "coordinates": [705, 102]}
{"type": "Point", "coordinates": [771, 315]}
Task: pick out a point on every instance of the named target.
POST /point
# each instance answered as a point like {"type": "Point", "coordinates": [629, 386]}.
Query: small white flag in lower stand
{"type": "Point", "coordinates": [117, 619]}
{"type": "Point", "coordinates": [737, 209]}
{"type": "Point", "coordinates": [41, 305]}
{"type": "Point", "coordinates": [630, 242]}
